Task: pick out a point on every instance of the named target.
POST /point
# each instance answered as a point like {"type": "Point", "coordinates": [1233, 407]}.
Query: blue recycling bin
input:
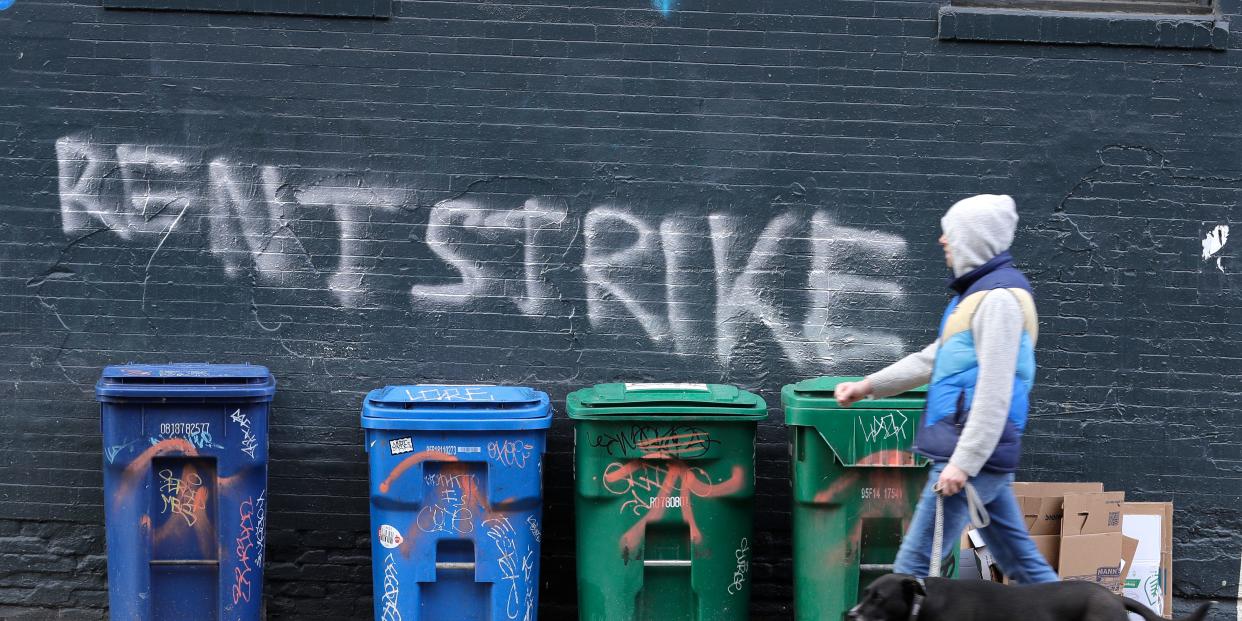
{"type": "Point", "coordinates": [185, 490]}
{"type": "Point", "coordinates": [456, 499]}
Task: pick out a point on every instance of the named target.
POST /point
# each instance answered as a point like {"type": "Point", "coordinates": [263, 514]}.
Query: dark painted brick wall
{"type": "Point", "coordinates": [559, 195]}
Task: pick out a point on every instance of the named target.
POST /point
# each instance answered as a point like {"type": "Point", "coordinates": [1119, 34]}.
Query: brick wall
{"type": "Point", "coordinates": [557, 196]}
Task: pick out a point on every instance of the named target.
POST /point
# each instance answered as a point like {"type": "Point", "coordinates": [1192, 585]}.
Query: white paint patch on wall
{"type": "Point", "coordinates": [1213, 242]}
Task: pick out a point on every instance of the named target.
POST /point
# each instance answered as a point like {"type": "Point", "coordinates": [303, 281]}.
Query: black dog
{"type": "Point", "coordinates": [898, 597]}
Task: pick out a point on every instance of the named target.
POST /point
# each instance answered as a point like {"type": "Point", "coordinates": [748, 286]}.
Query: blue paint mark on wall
{"type": "Point", "coordinates": [4, 4]}
{"type": "Point", "coordinates": [664, 6]}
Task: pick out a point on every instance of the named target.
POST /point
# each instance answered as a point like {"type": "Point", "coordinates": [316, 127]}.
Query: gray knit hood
{"type": "Point", "coordinates": [979, 228]}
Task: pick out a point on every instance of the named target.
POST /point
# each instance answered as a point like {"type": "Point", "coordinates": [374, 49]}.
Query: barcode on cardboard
{"type": "Point", "coordinates": [401, 445]}
{"type": "Point", "coordinates": [1114, 518]}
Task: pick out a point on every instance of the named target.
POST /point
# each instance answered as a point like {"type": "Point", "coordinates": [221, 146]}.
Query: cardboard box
{"type": "Point", "coordinates": [1078, 528]}
{"type": "Point", "coordinates": [1041, 503]}
{"type": "Point", "coordinates": [1050, 547]}
{"type": "Point", "coordinates": [1148, 579]}
{"type": "Point", "coordinates": [1091, 541]}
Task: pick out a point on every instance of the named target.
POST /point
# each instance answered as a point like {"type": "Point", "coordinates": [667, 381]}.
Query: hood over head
{"type": "Point", "coordinates": [979, 228]}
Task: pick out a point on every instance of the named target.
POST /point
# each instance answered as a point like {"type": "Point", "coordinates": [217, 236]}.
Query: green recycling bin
{"type": "Point", "coordinates": [664, 478]}
{"type": "Point", "coordinates": [855, 485]}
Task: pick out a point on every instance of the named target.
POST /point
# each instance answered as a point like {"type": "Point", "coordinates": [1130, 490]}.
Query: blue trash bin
{"type": "Point", "coordinates": [185, 489]}
{"type": "Point", "coordinates": [456, 499]}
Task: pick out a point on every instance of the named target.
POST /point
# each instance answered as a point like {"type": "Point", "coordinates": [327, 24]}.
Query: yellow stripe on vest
{"type": "Point", "coordinates": [960, 320]}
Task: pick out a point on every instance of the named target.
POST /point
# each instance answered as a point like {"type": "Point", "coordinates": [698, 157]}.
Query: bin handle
{"type": "Point", "coordinates": [665, 563]}
{"type": "Point", "coordinates": [454, 565]}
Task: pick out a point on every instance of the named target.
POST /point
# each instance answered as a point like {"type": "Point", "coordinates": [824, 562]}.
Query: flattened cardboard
{"type": "Point", "coordinates": [1091, 542]}
{"type": "Point", "coordinates": [1092, 558]}
{"type": "Point", "coordinates": [1129, 546]}
{"type": "Point", "coordinates": [1021, 488]}
{"type": "Point", "coordinates": [1041, 503]}
{"type": "Point", "coordinates": [1149, 579]}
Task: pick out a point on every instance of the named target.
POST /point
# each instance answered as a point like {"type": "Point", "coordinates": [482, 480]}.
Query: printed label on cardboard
{"type": "Point", "coordinates": [389, 537]}
{"type": "Point", "coordinates": [1144, 585]}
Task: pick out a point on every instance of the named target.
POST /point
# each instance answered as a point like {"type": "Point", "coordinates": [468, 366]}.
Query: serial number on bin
{"type": "Point", "coordinates": [668, 502]}
{"type": "Point", "coordinates": [882, 493]}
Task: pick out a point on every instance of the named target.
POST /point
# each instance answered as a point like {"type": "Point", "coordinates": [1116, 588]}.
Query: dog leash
{"type": "Point", "coordinates": [979, 518]}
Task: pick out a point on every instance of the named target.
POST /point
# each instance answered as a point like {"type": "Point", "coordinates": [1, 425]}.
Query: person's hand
{"type": "Point", "coordinates": [849, 393]}
{"type": "Point", "coordinates": [952, 480]}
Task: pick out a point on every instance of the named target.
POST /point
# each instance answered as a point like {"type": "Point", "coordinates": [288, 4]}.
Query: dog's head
{"type": "Point", "coordinates": [889, 598]}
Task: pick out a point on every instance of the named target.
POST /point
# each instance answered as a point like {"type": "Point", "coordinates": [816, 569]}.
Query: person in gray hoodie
{"type": "Point", "coordinates": [979, 374]}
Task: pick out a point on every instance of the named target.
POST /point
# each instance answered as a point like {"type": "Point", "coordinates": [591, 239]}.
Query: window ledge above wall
{"type": "Point", "coordinates": [375, 9]}
{"type": "Point", "coordinates": [1206, 32]}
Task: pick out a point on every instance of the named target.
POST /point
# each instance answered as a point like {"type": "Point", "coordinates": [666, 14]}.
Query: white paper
{"type": "Point", "coordinates": [665, 386]}
{"type": "Point", "coordinates": [1147, 529]}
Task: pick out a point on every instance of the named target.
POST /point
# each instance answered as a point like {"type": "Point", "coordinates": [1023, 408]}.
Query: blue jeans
{"type": "Point", "coordinates": [1006, 536]}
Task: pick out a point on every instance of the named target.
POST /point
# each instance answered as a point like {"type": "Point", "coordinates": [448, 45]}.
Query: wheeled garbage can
{"type": "Point", "coordinates": [185, 490]}
{"type": "Point", "coordinates": [855, 486]}
{"type": "Point", "coordinates": [664, 480]}
{"type": "Point", "coordinates": [456, 498]}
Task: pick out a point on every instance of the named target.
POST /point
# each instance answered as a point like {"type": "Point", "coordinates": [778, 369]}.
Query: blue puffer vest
{"type": "Point", "coordinates": [956, 369]}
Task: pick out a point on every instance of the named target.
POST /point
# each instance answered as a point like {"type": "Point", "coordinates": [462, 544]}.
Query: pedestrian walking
{"type": "Point", "coordinates": [980, 371]}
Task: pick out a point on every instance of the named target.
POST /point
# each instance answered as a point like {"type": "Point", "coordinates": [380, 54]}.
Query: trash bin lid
{"type": "Point", "coordinates": [185, 380]}
{"type": "Point", "coordinates": [870, 433]}
{"type": "Point", "coordinates": [456, 407]}
{"type": "Point", "coordinates": [662, 400]}
{"type": "Point", "coordinates": [816, 395]}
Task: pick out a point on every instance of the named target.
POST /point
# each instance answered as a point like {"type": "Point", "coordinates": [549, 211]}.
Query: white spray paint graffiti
{"type": "Point", "coordinates": [651, 275]}
{"type": "Point", "coordinates": [512, 453]}
{"type": "Point", "coordinates": [885, 427]}
{"type": "Point", "coordinates": [604, 288]}
{"type": "Point", "coordinates": [448, 515]}
{"type": "Point", "coordinates": [738, 292]}
{"type": "Point", "coordinates": [1213, 242]}
{"type": "Point", "coordinates": [742, 555]}
{"type": "Point", "coordinates": [392, 589]}
{"type": "Point", "coordinates": [249, 442]}
{"type": "Point", "coordinates": [450, 226]}
{"type": "Point", "coordinates": [534, 528]}
{"type": "Point", "coordinates": [453, 393]}
{"type": "Point", "coordinates": [520, 600]}
{"type": "Point", "coordinates": [260, 531]}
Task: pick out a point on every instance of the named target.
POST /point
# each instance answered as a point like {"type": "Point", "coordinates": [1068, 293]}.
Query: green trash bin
{"type": "Point", "coordinates": [664, 478]}
{"type": "Point", "coordinates": [855, 485]}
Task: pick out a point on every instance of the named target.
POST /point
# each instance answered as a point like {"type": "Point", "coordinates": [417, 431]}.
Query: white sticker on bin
{"type": "Point", "coordinates": [389, 537]}
{"type": "Point", "coordinates": [665, 386]}
{"type": "Point", "coordinates": [401, 445]}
